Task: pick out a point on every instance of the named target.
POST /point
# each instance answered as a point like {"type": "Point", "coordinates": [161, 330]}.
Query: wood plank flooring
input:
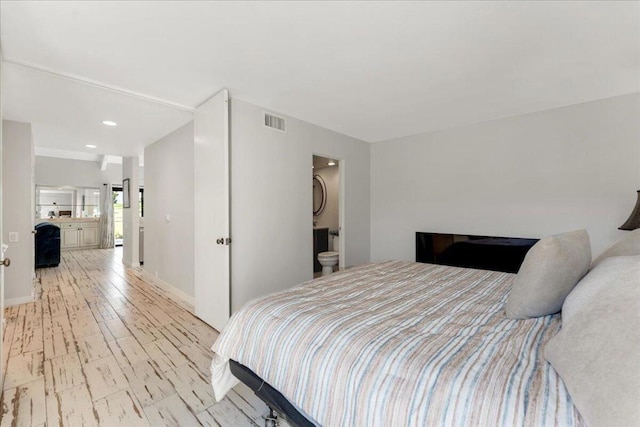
{"type": "Point", "coordinates": [102, 346]}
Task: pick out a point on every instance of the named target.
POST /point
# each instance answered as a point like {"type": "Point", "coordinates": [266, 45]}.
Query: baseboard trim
{"type": "Point", "coordinates": [181, 295]}
{"type": "Point", "coordinates": [130, 265]}
{"type": "Point", "coordinates": [8, 302]}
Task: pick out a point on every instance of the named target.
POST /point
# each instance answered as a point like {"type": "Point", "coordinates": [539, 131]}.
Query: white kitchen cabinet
{"type": "Point", "coordinates": [78, 235]}
{"type": "Point", "coordinates": [89, 234]}
{"type": "Point", "coordinates": [69, 236]}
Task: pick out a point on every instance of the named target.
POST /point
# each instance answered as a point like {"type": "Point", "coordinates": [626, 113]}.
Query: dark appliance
{"type": "Point", "coordinates": [47, 245]}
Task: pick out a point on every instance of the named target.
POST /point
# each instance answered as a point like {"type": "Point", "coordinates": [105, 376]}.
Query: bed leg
{"type": "Point", "coordinates": [272, 419]}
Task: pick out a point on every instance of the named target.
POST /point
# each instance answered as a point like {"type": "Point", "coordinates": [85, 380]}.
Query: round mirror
{"type": "Point", "coordinates": [319, 195]}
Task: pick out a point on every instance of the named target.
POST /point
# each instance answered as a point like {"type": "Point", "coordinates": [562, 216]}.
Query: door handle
{"type": "Point", "coordinates": [6, 262]}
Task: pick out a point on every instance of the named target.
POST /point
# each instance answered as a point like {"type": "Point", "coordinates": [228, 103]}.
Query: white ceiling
{"type": "Point", "coordinates": [67, 115]}
{"type": "Point", "coordinates": [372, 70]}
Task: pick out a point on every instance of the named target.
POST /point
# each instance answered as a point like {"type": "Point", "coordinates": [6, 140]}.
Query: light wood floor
{"type": "Point", "coordinates": [102, 346]}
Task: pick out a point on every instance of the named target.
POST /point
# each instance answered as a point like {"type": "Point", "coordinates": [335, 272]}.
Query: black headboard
{"type": "Point", "coordinates": [463, 250]}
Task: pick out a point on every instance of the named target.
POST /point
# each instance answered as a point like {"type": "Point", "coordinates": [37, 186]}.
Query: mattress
{"type": "Point", "coordinates": [399, 343]}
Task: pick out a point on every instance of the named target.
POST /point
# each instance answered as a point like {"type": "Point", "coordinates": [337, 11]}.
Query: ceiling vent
{"type": "Point", "coordinates": [273, 122]}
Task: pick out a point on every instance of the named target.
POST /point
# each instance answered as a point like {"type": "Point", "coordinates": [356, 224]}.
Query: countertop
{"type": "Point", "coordinates": [59, 220]}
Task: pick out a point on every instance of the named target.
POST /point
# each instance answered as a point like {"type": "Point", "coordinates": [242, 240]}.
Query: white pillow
{"type": "Point", "coordinates": [597, 352]}
{"type": "Point", "coordinates": [551, 268]}
{"type": "Point", "coordinates": [627, 245]}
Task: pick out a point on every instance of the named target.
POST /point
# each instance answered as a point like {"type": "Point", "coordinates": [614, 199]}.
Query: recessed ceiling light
{"type": "Point", "coordinates": [331, 163]}
{"type": "Point", "coordinates": [109, 123]}
{"type": "Point", "coordinates": [91, 146]}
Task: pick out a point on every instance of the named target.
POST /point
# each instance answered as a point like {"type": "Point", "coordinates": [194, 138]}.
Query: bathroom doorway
{"type": "Point", "coordinates": [326, 187]}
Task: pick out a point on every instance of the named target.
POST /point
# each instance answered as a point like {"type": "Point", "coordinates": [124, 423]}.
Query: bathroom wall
{"type": "Point", "coordinates": [329, 217]}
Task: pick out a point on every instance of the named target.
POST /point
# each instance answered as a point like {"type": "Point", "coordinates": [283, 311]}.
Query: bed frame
{"type": "Point", "coordinates": [269, 395]}
{"type": "Point", "coordinates": [484, 252]}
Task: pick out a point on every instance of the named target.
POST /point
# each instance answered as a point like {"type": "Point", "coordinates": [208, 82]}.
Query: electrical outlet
{"type": "Point", "coordinates": [13, 236]}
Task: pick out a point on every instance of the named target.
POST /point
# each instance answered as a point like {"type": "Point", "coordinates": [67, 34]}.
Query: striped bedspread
{"type": "Point", "coordinates": [400, 344]}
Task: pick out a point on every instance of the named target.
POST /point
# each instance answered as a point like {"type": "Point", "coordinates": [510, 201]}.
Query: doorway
{"type": "Point", "coordinates": [326, 188]}
{"type": "Point", "coordinates": [118, 206]}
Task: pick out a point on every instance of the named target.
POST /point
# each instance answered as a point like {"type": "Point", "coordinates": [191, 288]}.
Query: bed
{"type": "Point", "coordinates": [431, 333]}
{"type": "Point", "coordinates": [398, 343]}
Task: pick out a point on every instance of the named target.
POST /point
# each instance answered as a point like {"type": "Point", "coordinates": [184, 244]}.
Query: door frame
{"type": "Point", "coordinates": [342, 165]}
{"type": "Point", "coordinates": [118, 188]}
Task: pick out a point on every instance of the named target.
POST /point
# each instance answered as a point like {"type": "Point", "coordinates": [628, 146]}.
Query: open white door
{"type": "Point", "coordinates": [2, 245]}
{"type": "Point", "coordinates": [211, 226]}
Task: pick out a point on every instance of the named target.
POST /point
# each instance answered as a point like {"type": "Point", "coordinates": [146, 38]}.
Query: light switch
{"type": "Point", "coordinates": [13, 236]}
{"type": "Point", "coordinates": [167, 217]}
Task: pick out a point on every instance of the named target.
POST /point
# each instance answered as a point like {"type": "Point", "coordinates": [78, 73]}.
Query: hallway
{"type": "Point", "coordinates": [103, 346]}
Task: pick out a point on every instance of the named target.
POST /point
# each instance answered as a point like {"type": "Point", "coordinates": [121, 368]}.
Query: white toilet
{"type": "Point", "coordinates": [330, 259]}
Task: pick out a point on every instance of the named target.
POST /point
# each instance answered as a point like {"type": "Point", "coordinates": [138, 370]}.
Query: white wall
{"type": "Point", "coordinates": [131, 215]}
{"type": "Point", "coordinates": [271, 206]}
{"type": "Point", "coordinates": [329, 217]}
{"type": "Point", "coordinates": [17, 209]}
{"type": "Point", "coordinates": [169, 245]}
{"type": "Point", "coordinates": [531, 175]}
{"type": "Point", "coordinates": [271, 203]}
{"type": "Point", "coordinates": [77, 173]}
